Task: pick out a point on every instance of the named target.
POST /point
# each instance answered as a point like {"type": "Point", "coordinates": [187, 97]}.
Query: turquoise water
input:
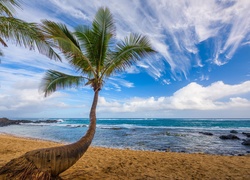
{"type": "Point", "coordinates": [178, 135]}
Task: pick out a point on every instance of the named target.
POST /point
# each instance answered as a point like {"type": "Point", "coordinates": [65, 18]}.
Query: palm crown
{"type": "Point", "coordinates": [95, 56]}
{"type": "Point", "coordinates": [92, 52]}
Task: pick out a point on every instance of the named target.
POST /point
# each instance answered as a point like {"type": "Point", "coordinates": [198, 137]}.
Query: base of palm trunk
{"type": "Point", "coordinates": [21, 168]}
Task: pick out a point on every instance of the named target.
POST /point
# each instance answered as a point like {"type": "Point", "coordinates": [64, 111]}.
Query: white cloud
{"type": "Point", "coordinates": [132, 70]}
{"type": "Point", "coordinates": [240, 26]}
{"type": "Point", "coordinates": [192, 100]}
{"type": "Point", "coordinates": [193, 97]}
{"type": "Point", "coordinates": [246, 43]}
{"type": "Point", "coordinates": [204, 77]}
{"type": "Point", "coordinates": [71, 9]}
{"type": "Point", "coordinates": [117, 82]}
{"type": "Point", "coordinates": [20, 97]}
{"type": "Point", "coordinates": [38, 10]}
{"type": "Point", "coordinates": [30, 103]}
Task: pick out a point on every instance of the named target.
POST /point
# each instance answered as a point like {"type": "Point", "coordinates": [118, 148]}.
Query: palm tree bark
{"type": "Point", "coordinates": [48, 163]}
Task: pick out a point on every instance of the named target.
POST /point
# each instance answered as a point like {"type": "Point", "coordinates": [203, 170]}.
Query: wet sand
{"type": "Point", "coordinates": [107, 163]}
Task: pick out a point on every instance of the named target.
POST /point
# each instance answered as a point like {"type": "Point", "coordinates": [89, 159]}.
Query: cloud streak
{"type": "Point", "coordinates": [175, 28]}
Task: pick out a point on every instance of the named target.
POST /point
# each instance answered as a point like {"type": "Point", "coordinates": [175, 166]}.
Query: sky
{"type": "Point", "coordinates": [201, 68]}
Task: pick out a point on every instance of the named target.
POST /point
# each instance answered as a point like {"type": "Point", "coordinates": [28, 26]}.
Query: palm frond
{"type": "Point", "coordinates": [7, 7]}
{"type": "Point", "coordinates": [103, 22]}
{"type": "Point", "coordinates": [54, 80]}
{"type": "Point", "coordinates": [85, 37]}
{"type": "Point", "coordinates": [63, 39]}
{"type": "Point", "coordinates": [61, 36]}
{"type": "Point", "coordinates": [104, 30]}
{"type": "Point", "coordinates": [25, 34]}
{"type": "Point", "coordinates": [127, 52]}
{"type": "Point", "coordinates": [3, 42]}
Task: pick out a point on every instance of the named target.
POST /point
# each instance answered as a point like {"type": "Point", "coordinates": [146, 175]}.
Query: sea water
{"type": "Point", "coordinates": [177, 135]}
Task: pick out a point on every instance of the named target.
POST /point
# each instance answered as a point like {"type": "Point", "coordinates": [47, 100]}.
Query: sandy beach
{"type": "Point", "coordinates": [107, 163]}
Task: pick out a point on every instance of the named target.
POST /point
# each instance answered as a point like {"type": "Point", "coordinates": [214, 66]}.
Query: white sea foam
{"type": "Point", "coordinates": [37, 124]}
{"type": "Point", "coordinates": [60, 120]}
{"type": "Point", "coordinates": [54, 124]}
{"type": "Point", "coordinates": [131, 126]}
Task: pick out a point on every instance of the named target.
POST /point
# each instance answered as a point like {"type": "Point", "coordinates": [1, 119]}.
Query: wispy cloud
{"type": "Point", "coordinates": [175, 27]}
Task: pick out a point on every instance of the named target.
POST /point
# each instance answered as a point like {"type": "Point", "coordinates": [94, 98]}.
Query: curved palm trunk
{"type": "Point", "coordinates": [48, 163]}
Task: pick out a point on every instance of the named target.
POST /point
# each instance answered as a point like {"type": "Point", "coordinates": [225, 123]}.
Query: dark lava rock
{"type": "Point", "coordinates": [234, 131]}
{"type": "Point", "coordinates": [241, 154]}
{"type": "Point", "coordinates": [230, 136]}
{"type": "Point", "coordinates": [246, 142]}
{"type": "Point", "coordinates": [40, 121]}
{"type": "Point", "coordinates": [246, 134]}
{"type": "Point", "coordinates": [7, 122]}
{"type": "Point", "coordinates": [206, 133]}
{"type": "Point", "coordinates": [116, 128]}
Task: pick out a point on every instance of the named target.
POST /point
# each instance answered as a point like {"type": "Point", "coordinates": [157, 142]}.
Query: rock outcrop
{"type": "Point", "coordinates": [7, 122]}
{"type": "Point", "coordinates": [230, 136]}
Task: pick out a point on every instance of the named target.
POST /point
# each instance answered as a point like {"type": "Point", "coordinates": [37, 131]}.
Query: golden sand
{"type": "Point", "coordinates": [107, 163]}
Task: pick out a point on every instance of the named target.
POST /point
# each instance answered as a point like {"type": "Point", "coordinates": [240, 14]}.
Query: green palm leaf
{"type": "Point", "coordinates": [85, 37]}
{"type": "Point", "coordinates": [54, 80]}
{"type": "Point", "coordinates": [127, 52]}
{"type": "Point", "coordinates": [103, 30]}
{"type": "Point", "coordinates": [64, 40]}
{"type": "Point", "coordinates": [25, 34]}
{"type": "Point", "coordinates": [7, 7]}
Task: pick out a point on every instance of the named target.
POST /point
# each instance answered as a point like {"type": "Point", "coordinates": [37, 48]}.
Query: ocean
{"type": "Point", "coordinates": [153, 134]}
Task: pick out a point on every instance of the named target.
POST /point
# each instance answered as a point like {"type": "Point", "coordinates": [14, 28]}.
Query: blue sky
{"type": "Point", "coordinates": [201, 70]}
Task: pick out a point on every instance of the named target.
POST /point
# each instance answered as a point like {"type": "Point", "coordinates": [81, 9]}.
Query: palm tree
{"type": "Point", "coordinates": [94, 55]}
{"type": "Point", "coordinates": [20, 32]}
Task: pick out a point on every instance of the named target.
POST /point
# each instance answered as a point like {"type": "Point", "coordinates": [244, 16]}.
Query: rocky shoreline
{"type": "Point", "coordinates": [240, 138]}
{"type": "Point", "coordinates": [233, 136]}
{"type": "Point", "coordinates": [8, 122]}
